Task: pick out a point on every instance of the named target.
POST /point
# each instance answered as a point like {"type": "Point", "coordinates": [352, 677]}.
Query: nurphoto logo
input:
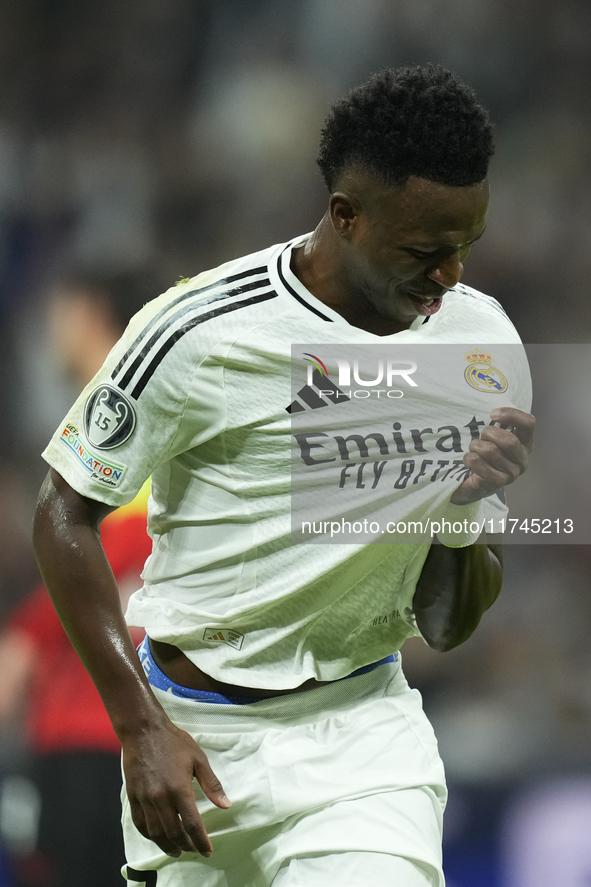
{"type": "Point", "coordinates": [385, 371]}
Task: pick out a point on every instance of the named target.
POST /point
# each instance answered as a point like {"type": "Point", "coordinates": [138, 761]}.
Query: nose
{"type": "Point", "coordinates": [448, 271]}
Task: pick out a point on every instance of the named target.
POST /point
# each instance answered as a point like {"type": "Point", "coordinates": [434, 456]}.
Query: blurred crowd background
{"type": "Point", "coordinates": [146, 140]}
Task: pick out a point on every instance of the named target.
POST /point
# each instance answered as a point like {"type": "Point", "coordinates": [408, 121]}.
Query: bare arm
{"type": "Point", "coordinates": [159, 760]}
{"type": "Point", "coordinates": [457, 585]}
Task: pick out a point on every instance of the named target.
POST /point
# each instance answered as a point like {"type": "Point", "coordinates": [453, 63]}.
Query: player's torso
{"type": "Point", "coordinates": [223, 512]}
{"type": "Point", "coordinates": [213, 392]}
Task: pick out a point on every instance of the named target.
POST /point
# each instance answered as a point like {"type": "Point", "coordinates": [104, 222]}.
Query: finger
{"type": "Point", "coordinates": [209, 781]}
{"type": "Point", "coordinates": [512, 459]}
{"type": "Point", "coordinates": [164, 819]}
{"type": "Point", "coordinates": [505, 438]}
{"type": "Point", "coordinates": [137, 815]}
{"type": "Point", "coordinates": [484, 474]}
{"type": "Point", "coordinates": [148, 823]}
{"type": "Point", "coordinates": [193, 826]}
{"type": "Point", "coordinates": [183, 828]}
{"type": "Point", "coordinates": [502, 444]}
{"type": "Point", "coordinates": [522, 424]}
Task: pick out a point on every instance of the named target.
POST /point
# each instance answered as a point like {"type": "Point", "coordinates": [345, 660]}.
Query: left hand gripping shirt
{"type": "Point", "coordinates": [196, 395]}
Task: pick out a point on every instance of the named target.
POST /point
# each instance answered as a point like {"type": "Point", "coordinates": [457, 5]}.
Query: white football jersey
{"type": "Point", "coordinates": [198, 394]}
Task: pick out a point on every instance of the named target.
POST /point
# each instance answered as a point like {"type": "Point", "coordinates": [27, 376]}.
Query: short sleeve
{"type": "Point", "coordinates": [157, 394]}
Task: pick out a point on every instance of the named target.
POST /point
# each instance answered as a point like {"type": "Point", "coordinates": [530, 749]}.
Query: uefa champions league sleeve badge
{"type": "Point", "coordinates": [109, 418]}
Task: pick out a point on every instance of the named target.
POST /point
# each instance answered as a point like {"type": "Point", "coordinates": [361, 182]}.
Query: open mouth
{"type": "Point", "coordinates": [426, 305]}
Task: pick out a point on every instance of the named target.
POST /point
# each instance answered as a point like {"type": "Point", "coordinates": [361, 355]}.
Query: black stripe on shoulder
{"type": "Point", "coordinates": [173, 318]}
{"type": "Point", "coordinates": [185, 328]}
{"type": "Point", "coordinates": [291, 290]}
{"type": "Point", "coordinates": [224, 281]}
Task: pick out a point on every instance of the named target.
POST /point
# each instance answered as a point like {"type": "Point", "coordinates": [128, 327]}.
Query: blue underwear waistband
{"type": "Point", "coordinates": [158, 679]}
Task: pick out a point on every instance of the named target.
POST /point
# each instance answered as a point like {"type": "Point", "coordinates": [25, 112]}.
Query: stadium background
{"type": "Point", "coordinates": [165, 136]}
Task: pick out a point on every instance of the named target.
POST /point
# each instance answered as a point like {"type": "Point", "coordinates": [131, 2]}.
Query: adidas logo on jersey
{"type": "Point", "coordinates": [224, 636]}
{"type": "Point", "coordinates": [312, 399]}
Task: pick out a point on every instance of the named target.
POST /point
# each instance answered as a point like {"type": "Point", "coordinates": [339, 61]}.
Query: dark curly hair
{"type": "Point", "coordinates": [417, 121]}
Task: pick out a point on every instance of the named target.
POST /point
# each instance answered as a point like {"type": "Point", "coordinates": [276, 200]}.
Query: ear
{"type": "Point", "coordinates": [344, 213]}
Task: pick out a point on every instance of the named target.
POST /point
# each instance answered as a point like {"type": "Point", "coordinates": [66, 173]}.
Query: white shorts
{"type": "Point", "coordinates": [341, 784]}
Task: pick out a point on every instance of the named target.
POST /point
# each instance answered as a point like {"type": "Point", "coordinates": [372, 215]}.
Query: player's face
{"type": "Point", "coordinates": [404, 248]}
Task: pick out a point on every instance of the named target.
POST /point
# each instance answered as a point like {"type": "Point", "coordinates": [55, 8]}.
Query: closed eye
{"type": "Point", "coordinates": [424, 252]}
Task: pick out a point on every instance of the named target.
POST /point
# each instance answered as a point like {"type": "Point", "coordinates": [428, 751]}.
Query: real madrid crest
{"type": "Point", "coordinates": [482, 376]}
{"type": "Point", "coordinates": [109, 418]}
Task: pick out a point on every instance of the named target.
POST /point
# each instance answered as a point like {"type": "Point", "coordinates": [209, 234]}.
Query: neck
{"type": "Point", "coordinates": [319, 266]}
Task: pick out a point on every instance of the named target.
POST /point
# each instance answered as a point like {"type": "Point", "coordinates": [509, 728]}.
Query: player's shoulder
{"type": "Point", "coordinates": [217, 292]}
{"type": "Point", "coordinates": [222, 293]}
{"type": "Point", "coordinates": [194, 318]}
{"type": "Point", "coordinates": [477, 312]}
{"type": "Point", "coordinates": [226, 274]}
{"type": "Point", "coordinates": [478, 300]}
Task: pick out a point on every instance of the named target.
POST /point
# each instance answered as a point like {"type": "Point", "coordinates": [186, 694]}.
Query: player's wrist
{"type": "Point", "coordinates": [135, 721]}
{"type": "Point", "coordinates": [461, 525]}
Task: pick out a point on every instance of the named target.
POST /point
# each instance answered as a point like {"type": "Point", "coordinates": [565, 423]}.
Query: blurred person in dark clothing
{"type": "Point", "coordinates": [75, 755]}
